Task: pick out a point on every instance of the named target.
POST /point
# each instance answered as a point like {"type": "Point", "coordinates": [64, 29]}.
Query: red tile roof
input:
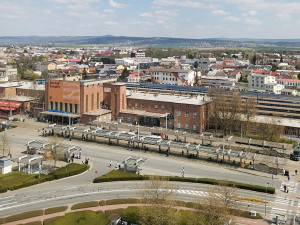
{"type": "Point", "coordinates": [288, 80]}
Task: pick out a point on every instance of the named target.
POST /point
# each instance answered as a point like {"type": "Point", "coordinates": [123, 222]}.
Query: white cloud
{"type": "Point", "coordinates": [88, 14]}
{"type": "Point", "coordinates": [161, 14]}
{"type": "Point", "coordinates": [117, 5]}
{"type": "Point", "coordinates": [283, 16]}
{"type": "Point", "coordinates": [109, 11]}
{"type": "Point", "coordinates": [78, 7]}
{"type": "Point", "coordinates": [220, 12]}
{"type": "Point", "coordinates": [111, 23]}
{"type": "Point", "coordinates": [199, 27]}
{"type": "Point", "coordinates": [73, 1]}
{"type": "Point", "coordinates": [232, 19]}
{"type": "Point", "coordinates": [183, 3]}
{"type": "Point", "coordinates": [10, 10]}
{"type": "Point", "coordinates": [250, 13]}
{"type": "Point", "coordinates": [160, 21]}
{"type": "Point", "coordinates": [253, 21]}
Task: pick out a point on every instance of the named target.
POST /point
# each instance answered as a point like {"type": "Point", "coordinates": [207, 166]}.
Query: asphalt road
{"type": "Point", "coordinates": [25, 199]}
{"type": "Point", "coordinates": [80, 188]}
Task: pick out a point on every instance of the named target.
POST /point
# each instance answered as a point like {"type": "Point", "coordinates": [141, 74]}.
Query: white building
{"type": "Point", "coordinates": [173, 76]}
{"type": "Point", "coordinates": [186, 66]}
{"type": "Point", "coordinates": [205, 63]}
{"type": "Point", "coordinates": [264, 82]}
{"type": "Point", "coordinates": [289, 82]}
{"type": "Point", "coordinates": [8, 73]}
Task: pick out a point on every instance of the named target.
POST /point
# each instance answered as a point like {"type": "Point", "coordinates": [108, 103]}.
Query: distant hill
{"type": "Point", "coordinates": [146, 41]}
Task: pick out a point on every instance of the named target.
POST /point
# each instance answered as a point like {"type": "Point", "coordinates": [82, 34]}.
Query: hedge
{"type": "Point", "coordinates": [102, 203]}
{"type": "Point", "coordinates": [251, 187]}
{"type": "Point", "coordinates": [123, 201]}
{"type": "Point", "coordinates": [69, 170]}
{"type": "Point", "coordinates": [34, 223]}
{"type": "Point", "coordinates": [55, 210]}
{"type": "Point", "coordinates": [24, 215]}
{"type": "Point", "coordinates": [83, 205]}
{"type": "Point", "coordinates": [17, 180]}
{"type": "Point", "coordinates": [118, 175]}
{"type": "Point", "coordinates": [2, 220]}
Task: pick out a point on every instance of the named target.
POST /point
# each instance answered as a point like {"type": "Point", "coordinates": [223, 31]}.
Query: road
{"type": "Point", "coordinates": [80, 188]}
{"type": "Point", "coordinates": [21, 200]}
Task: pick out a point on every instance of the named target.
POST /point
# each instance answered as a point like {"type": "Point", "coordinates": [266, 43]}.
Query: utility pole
{"type": "Point", "coordinates": [266, 199]}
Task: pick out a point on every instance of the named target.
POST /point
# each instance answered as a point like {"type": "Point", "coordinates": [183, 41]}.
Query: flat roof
{"type": "Point", "coordinates": [98, 112]}
{"type": "Point", "coordinates": [18, 98]}
{"type": "Point", "coordinates": [61, 114]}
{"type": "Point", "coordinates": [144, 113]}
{"type": "Point", "coordinates": [195, 100]}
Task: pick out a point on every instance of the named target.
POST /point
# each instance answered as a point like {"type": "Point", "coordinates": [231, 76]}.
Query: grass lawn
{"type": "Point", "coordinates": [82, 218]}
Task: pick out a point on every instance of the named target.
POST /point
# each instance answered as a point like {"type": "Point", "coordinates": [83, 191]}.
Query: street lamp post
{"type": "Point", "coordinates": [266, 199]}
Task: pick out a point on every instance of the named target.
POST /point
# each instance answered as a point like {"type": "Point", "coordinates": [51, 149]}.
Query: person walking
{"type": "Point", "coordinates": [296, 172]}
{"type": "Point", "coordinates": [183, 171]}
{"type": "Point", "coordinates": [110, 163]}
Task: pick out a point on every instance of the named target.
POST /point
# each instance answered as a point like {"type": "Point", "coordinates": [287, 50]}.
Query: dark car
{"type": "Point", "coordinates": [295, 155]}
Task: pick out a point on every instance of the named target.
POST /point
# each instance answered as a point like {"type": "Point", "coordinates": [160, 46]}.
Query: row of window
{"type": "Point", "coordinates": [187, 126]}
{"type": "Point", "coordinates": [187, 114]}
{"type": "Point", "coordinates": [72, 108]}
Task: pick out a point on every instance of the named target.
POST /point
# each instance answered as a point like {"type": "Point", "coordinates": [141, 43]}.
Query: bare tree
{"type": "Point", "coordinates": [248, 111]}
{"type": "Point", "coordinates": [5, 144]}
{"type": "Point", "coordinates": [55, 153]}
{"type": "Point", "coordinates": [224, 111]}
{"type": "Point", "coordinates": [271, 129]}
{"type": "Point", "coordinates": [215, 209]}
{"type": "Point", "coordinates": [158, 194]}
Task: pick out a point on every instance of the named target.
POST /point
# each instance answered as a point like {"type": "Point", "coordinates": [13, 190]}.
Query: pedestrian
{"type": "Point", "coordinates": [288, 178]}
{"type": "Point", "coordinates": [296, 171]}
{"type": "Point", "coordinates": [110, 163]}
{"type": "Point", "coordinates": [284, 188]}
{"type": "Point", "coordinates": [183, 171]}
{"type": "Point", "coordinates": [182, 153]}
{"type": "Point", "coordinates": [79, 154]}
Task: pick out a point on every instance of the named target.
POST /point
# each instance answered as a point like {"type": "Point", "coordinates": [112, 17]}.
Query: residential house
{"type": "Point", "coordinates": [173, 76]}
{"type": "Point", "coordinates": [289, 82]}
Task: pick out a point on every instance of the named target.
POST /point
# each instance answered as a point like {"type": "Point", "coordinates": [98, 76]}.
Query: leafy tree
{"type": "Point", "coordinates": [196, 64]}
{"type": "Point", "coordinates": [298, 67]}
{"type": "Point", "coordinates": [281, 59]}
{"type": "Point", "coordinates": [298, 76]}
{"type": "Point", "coordinates": [124, 75]}
{"type": "Point", "coordinates": [274, 67]}
{"type": "Point", "coordinates": [254, 59]}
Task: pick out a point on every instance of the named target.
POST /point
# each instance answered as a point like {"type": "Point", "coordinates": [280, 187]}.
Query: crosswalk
{"type": "Point", "coordinates": [291, 186]}
{"type": "Point", "coordinates": [198, 193]}
{"type": "Point", "coordinates": [283, 204]}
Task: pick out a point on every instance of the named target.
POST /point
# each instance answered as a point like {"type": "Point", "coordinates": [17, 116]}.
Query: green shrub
{"type": "Point", "coordinates": [131, 214]}
{"type": "Point", "coordinates": [34, 223]}
{"type": "Point", "coordinates": [55, 210]}
{"type": "Point", "coordinates": [102, 203]}
{"type": "Point", "coordinates": [118, 175]}
{"type": "Point", "coordinates": [245, 214]}
{"type": "Point", "coordinates": [83, 205]}
{"type": "Point", "coordinates": [122, 201]}
{"type": "Point", "coordinates": [51, 220]}
{"type": "Point", "coordinates": [69, 170]}
{"type": "Point", "coordinates": [82, 217]}
{"type": "Point", "coordinates": [24, 215]}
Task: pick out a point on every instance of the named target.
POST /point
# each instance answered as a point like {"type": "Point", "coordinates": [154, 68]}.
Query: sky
{"type": "Point", "coordinates": [152, 18]}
